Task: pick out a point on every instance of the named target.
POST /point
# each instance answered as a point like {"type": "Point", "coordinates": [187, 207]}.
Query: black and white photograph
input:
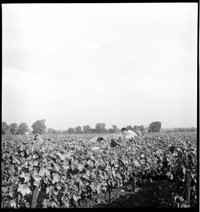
{"type": "Point", "coordinates": [99, 105]}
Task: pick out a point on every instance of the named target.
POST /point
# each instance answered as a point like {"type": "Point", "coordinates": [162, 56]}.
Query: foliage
{"type": "Point", "coordinates": [70, 168]}
{"type": "Point", "coordinates": [51, 131]}
{"type": "Point", "coordinates": [100, 127]}
{"type": "Point", "coordinates": [111, 130]}
{"type": "Point", "coordinates": [4, 127]}
{"type": "Point", "coordinates": [115, 128]}
{"type": "Point", "coordinates": [65, 132]}
{"type": "Point", "coordinates": [78, 130]}
{"type": "Point", "coordinates": [22, 129]}
{"type": "Point", "coordinates": [94, 130]}
{"type": "Point", "coordinates": [13, 128]}
{"type": "Point", "coordinates": [39, 127]}
{"type": "Point", "coordinates": [155, 126]}
{"type": "Point", "coordinates": [129, 127]}
{"type": "Point", "coordinates": [71, 130]}
{"type": "Point", "coordinates": [192, 129]}
{"type": "Point", "coordinates": [141, 128]}
{"type": "Point", "coordinates": [86, 129]}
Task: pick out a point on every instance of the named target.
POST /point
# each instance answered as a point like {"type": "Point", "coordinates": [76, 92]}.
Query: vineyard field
{"type": "Point", "coordinates": [62, 171]}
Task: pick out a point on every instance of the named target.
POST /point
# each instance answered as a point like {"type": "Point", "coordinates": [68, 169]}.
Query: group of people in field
{"type": "Point", "coordinates": [118, 139]}
{"type": "Point", "coordinates": [122, 137]}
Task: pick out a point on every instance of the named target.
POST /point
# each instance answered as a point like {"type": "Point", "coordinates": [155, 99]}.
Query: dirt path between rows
{"type": "Point", "coordinates": [151, 194]}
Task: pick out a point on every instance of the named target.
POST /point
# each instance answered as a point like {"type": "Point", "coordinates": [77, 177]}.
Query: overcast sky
{"type": "Point", "coordinates": [79, 64]}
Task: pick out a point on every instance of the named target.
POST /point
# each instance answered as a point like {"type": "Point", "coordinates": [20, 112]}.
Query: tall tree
{"type": "Point", "coordinates": [39, 127]}
{"type": "Point", "coordinates": [155, 126]}
{"type": "Point", "coordinates": [86, 129]}
{"type": "Point", "coordinates": [100, 127]}
{"type": "Point", "coordinates": [78, 130]}
{"type": "Point", "coordinates": [22, 129]}
{"type": "Point", "coordinates": [70, 130]}
{"type": "Point", "coordinates": [13, 128]}
{"type": "Point", "coordinates": [4, 128]}
{"type": "Point", "coordinates": [115, 128]}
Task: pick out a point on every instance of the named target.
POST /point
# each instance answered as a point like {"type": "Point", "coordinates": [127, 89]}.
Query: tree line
{"type": "Point", "coordinates": [192, 129]}
{"type": "Point", "coordinates": [39, 127]}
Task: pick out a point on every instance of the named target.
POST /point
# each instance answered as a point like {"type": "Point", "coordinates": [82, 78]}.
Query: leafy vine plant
{"type": "Point", "coordinates": [61, 172]}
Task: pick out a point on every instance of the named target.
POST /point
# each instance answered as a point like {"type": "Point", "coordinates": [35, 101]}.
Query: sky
{"type": "Point", "coordinates": [83, 64]}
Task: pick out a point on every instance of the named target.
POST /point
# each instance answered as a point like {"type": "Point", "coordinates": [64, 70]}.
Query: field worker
{"type": "Point", "coordinates": [118, 140]}
{"type": "Point", "coordinates": [100, 139]}
{"type": "Point", "coordinates": [128, 134]}
{"type": "Point", "coordinates": [124, 136]}
{"type": "Point", "coordinates": [38, 138]}
{"type": "Point", "coordinates": [93, 140]}
{"type": "Point", "coordinates": [36, 141]}
{"type": "Point", "coordinates": [115, 143]}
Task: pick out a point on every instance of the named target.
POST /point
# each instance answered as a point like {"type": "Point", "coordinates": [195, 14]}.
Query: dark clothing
{"type": "Point", "coordinates": [100, 139]}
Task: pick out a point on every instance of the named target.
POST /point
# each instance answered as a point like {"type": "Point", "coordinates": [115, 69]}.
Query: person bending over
{"type": "Point", "coordinates": [124, 136]}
